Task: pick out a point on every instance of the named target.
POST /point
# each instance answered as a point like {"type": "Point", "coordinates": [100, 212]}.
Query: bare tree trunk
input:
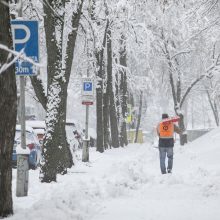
{"type": "Point", "coordinates": [117, 97]}
{"type": "Point", "coordinates": [131, 101]}
{"type": "Point", "coordinates": [8, 111]}
{"type": "Point", "coordinates": [139, 117]}
{"type": "Point", "coordinates": [110, 92]}
{"type": "Point", "coordinates": [124, 93]}
{"type": "Point", "coordinates": [183, 136]}
{"type": "Point", "coordinates": [214, 108]}
{"type": "Point", "coordinates": [99, 105]}
{"type": "Point", "coordinates": [99, 95]}
{"type": "Point", "coordinates": [192, 113]}
{"type": "Point", "coordinates": [106, 121]}
{"type": "Point", "coordinates": [56, 152]}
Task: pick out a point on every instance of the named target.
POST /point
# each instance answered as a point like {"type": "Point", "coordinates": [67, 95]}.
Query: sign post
{"type": "Point", "coordinates": [87, 99]}
{"type": "Point", "coordinates": [25, 40]}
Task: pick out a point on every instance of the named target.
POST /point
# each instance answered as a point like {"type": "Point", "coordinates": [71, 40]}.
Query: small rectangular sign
{"type": "Point", "coordinates": [87, 103]}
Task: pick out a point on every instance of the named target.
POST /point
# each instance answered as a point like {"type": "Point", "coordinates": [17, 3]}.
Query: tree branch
{"type": "Point", "coordinates": [180, 53]}
{"type": "Point", "coordinates": [19, 55]}
{"type": "Point", "coordinates": [189, 89]}
{"type": "Point", "coordinates": [72, 40]}
{"type": "Point", "coordinates": [39, 90]}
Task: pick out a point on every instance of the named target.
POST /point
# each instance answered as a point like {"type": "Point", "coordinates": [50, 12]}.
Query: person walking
{"type": "Point", "coordinates": [165, 132]}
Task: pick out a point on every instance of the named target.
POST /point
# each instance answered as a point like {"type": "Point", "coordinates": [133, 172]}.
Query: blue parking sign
{"type": "Point", "coordinates": [87, 86]}
{"type": "Point", "coordinates": [87, 91]}
{"type": "Point", "coordinates": [25, 37]}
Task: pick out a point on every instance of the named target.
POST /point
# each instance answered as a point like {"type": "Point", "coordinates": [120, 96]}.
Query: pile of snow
{"type": "Point", "coordinates": [207, 148]}
{"type": "Point", "coordinates": [126, 183]}
{"type": "Point", "coordinates": [36, 124]}
{"type": "Point", "coordinates": [39, 131]}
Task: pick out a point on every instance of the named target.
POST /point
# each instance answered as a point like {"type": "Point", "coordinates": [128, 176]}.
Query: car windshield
{"type": "Point", "coordinates": [30, 137]}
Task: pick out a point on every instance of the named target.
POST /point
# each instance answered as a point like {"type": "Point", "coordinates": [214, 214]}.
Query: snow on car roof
{"type": "Point", "coordinates": [28, 128]}
{"type": "Point", "coordinates": [36, 124]}
{"type": "Point", "coordinates": [70, 121]}
{"type": "Point", "coordinates": [39, 131]}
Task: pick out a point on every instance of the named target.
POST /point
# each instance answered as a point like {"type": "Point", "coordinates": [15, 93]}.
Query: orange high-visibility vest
{"type": "Point", "coordinates": [166, 129]}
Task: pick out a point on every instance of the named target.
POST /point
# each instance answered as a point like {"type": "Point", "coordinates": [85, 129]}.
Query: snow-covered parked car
{"type": "Point", "coordinates": [74, 134]}
{"type": "Point", "coordinates": [39, 128]}
{"type": "Point", "coordinates": [32, 143]}
{"type": "Point", "coordinates": [92, 137]}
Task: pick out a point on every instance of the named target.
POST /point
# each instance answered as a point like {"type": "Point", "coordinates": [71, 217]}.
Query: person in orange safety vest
{"type": "Point", "coordinates": [165, 132]}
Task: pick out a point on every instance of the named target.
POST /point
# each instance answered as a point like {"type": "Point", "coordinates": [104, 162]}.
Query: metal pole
{"type": "Point", "coordinates": [22, 156]}
{"type": "Point", "coordinates": [22, 107]}
{"type": "Point", "coordinates": [87, 122]}
{"type": "Point", "coordinates": [85, 154]}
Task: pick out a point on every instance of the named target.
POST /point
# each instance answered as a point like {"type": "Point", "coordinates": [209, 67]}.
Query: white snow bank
{"type": "Point", "coordinates": [206, 148]}
{"type": "Point", "coordinates": [126, 183]}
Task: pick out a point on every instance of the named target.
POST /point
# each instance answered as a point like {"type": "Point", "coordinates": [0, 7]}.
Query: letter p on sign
{"type": "Point", "coordinates": [87, 86]}
{"type": "Point", "coordinates": [26, 34]}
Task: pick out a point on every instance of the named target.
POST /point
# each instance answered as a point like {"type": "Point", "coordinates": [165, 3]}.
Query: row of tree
{"type": "Point", "coordinates": [111, 104]}
{"type": "Point", "coordinates": [145, 52]}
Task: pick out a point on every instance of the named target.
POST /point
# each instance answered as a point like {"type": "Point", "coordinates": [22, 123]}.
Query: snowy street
{"type": "Point", "coordinates": [95, 97]}
{"type": "Point", "coordinates": [126, 183]}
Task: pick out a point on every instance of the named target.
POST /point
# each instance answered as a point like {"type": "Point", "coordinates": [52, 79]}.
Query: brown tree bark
{"type": "Point", "coordinates": [8, 111]}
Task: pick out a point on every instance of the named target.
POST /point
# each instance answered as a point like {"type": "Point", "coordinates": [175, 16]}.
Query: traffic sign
{"type": "Point", "coordinates": [87, 91]}
{"type": "Point", "coordinates": [129, 115]}
{"type": "Point", "coordinates": [25, 37]}
{"type": "Point", "coordinates": [87, 102]}
{"type": "Point", "coordinates": [87, 86]}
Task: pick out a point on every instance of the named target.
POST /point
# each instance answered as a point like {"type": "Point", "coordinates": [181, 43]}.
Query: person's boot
{"type": "Point", "coordinates": [169, 171]}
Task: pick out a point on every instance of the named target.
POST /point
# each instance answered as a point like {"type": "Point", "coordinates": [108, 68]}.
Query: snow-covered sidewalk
{"type": "Point", "coordinates": [126, 183]}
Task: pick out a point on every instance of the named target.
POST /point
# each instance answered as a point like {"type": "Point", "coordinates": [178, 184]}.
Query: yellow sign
{"type": "Point", "coordinates": [129, 116]}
